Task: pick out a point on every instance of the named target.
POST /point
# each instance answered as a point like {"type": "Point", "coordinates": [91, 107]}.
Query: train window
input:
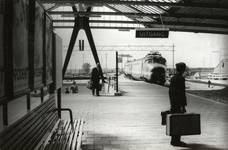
{"type": "Point", "coordinates": [150, 60]}
{"type": "Point", "coordinates": [156, 60]}
{"type": "Point", "coordinates": [163, 62]}
{"type": "Point", "coordinates": [159, 60]}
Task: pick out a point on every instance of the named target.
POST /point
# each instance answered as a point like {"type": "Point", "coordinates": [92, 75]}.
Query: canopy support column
{"type": "Point", "coordinates": [81, 22]}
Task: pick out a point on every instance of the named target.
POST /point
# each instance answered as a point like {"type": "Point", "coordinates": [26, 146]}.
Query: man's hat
{"type": "Point", "coordinates": [181, 66]}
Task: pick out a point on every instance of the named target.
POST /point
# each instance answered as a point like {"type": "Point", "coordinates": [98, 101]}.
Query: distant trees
{"type": "Point", "coordinates": [86, 67]}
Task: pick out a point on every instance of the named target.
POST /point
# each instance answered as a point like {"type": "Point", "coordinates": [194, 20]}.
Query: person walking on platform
{"type": "Point", "coordinates": [209, 83]}
{"type": "Point", "coordinates": [178, 98]}
{"type": "Point", "coordinates": [95, 79]}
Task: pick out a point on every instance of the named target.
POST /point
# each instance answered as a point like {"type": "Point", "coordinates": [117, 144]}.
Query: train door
{"type": "Point", "coordinates": [130, 68]}
{"type": "Point", "coordinates": [144, 68]}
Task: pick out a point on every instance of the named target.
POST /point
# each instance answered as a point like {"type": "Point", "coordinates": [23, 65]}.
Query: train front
{"type": "Point", "coordinates": [157, 69]}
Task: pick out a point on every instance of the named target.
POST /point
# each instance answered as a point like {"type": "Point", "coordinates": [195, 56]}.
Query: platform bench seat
{"type": "Point", "coordinates": [42, 129]}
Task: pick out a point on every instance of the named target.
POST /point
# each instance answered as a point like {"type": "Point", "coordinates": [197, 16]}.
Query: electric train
{"type": "Point", "coordinates": [151, 68]}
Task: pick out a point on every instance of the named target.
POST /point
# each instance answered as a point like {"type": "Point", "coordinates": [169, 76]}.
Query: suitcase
{"type": "Point", "coordinates": [183, 124]}
{"type": "Point", "coordinates": [163, 116]}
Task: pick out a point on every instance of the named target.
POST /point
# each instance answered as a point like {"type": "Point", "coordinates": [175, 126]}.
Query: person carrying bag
{"type": "Point", "coordinates": [95, 79]}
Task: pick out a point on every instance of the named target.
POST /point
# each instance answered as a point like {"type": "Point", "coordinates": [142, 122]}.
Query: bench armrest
{"type": "Point", "coordinates": [71, 115]}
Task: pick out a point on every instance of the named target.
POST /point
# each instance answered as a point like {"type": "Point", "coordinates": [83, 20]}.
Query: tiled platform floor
{"type": "Point", "coordinates": [133, 122]}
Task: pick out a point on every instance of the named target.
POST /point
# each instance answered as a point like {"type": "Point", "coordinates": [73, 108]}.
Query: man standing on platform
{"type": "Point", "coordinates": [95, 79]}
{"type": "Point", "coordinates": [178, 98]}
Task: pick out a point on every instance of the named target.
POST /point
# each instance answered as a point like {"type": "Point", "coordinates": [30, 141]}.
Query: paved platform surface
{"type": "Point", "coordinates": [133, 122]}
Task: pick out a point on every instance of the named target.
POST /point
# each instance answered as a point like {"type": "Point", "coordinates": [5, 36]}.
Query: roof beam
{"type": "Point", "coordinates": [96, 27]}
{"type": "Point", "coordinates": [53, 7]}
{"type": "Point", "coordinates": [149, 23]}
{"type": "Point", "coordinates": [105, 2]}
{"type": "Point", "coordinates": [72, 14]}
{"type": "Point", "coordinates": [198, 31]}
{"type": "Point", "coordinates": [170, 29]}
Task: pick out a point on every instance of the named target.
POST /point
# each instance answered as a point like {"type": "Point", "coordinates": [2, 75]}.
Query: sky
{"type": "Point", "coordinates": [195, 49]}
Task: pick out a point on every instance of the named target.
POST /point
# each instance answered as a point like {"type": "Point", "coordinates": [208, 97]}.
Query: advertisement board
{"type": "Point", "coordinates": [48, 50]}
{"type": "Point", "coordinates": [2, 68]}
{"type": "Point", "coordinates": [20, 46]}
{"type": "Point", "coordinates": [38, 44]}
{"type": "Point", "coordinates": [57, 51]}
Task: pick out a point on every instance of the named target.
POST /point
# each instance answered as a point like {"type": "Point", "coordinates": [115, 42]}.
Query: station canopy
{"type": "Point", "coordinates": [198, 16]}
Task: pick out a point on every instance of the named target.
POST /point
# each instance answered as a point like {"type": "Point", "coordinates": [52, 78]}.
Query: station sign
{"type": "Point", "coordinates": [152, 33]}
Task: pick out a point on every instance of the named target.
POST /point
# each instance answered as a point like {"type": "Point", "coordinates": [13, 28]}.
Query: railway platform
{"type": "Point", "coordinates": [133, 121]}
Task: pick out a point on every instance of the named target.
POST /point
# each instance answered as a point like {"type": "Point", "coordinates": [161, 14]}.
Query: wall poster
{"type": "Point", "coordinates": [2, 71]}
{"type": "Point", "coordinates": [57, 51]}
{"type": "Point", "coordinates": [20, 46]}
{"type": "Point", "coordinates": [48, 50]}
{"type": "Point", "coordinates": [38, 44]}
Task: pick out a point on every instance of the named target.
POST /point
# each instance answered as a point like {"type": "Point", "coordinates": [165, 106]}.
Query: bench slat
{"type": "Point", "coordinates": [79, 141]}
{"type": "Point", "coordinates": [24, 125]}
{"type": "Point", "coordinates": [52, 137]}
{"type": "Point", "coordinates": [21, 122]}
{"type": "Point", "coordinates": [32, 142]}
{"type": "Point", "coordinates": [67, 135]}
{"type": "Point", "coordinates": [43, 144]}
{"type": "Point", "coordinates": [57, 144]}
{"type": "Point", "coordinates": [74, 141]}
{"type": "Point", "coordinates": [69, 143]}
{"type": "Point", "coordinates": [33, 132]}
{"type": "Point", "coordinates": [42, 129]}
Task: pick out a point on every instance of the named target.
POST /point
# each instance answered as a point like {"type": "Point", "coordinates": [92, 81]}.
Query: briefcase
{"type": "Point", "coordinates": [89, 85]}
{"type": "Point", "coordinates": [183, 124]}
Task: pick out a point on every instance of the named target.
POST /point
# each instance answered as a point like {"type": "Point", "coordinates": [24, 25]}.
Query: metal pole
{"type": "Point", "coordinates": [28, 102]}
{"type": "Point", "coordinates": [5, 113]}
{"type": "Point", "coordinates": [122, 63]}
{"type": "Point", "coordinates": [42, 95]}
{"type": "Point", "coordinates": [173, 57]}
{"type": "Point", "coordinates": [59, 101]}
{"type": "Point", "coordinates": [116, 71]}
{"type": "Point", "coordinates": [106, 62]}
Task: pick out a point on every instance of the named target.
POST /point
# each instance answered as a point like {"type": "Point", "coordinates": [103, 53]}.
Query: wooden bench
{"type": "Point", "coordinates": [43, 129]}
